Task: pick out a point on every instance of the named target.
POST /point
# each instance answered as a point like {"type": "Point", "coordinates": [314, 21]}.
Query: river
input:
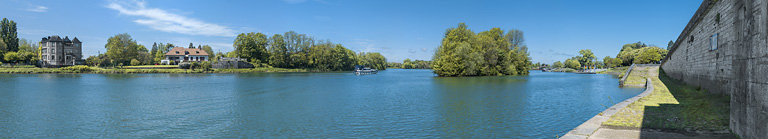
{"type": "Point", "coordinates": [396, 103]}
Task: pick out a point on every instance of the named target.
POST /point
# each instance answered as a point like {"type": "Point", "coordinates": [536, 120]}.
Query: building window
{"type": "Point", "coordinates": [713, 42]}
{"type": "Point", "coordinates": [177, 52]}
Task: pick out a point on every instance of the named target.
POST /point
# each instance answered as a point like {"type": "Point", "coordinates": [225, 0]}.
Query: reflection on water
{"type": "Point", "coordinates": [395, 103]}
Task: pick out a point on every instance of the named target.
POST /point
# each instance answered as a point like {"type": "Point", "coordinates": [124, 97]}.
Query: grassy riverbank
{"type": "Point", "coordinates": [674, 106]}
{"type": "Point", "coordinates": [130, 71]}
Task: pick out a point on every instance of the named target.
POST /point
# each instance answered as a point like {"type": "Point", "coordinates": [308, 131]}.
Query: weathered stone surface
{"type": "Point", "coordinates": [739, 65]}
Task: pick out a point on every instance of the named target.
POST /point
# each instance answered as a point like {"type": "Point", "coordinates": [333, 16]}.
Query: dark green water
{"type": "Point", "coordinates": [395, 103]}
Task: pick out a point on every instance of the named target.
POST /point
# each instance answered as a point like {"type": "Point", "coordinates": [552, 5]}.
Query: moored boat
{"type": "Point", "coordinates": [362, 70]}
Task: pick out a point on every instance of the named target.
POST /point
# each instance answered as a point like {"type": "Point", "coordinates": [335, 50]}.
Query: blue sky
{"type": "Point", "coordinates": [554, 29]}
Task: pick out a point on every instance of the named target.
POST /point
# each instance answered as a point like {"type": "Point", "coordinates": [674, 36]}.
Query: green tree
{"type": "Point", "coordinates": [142, 48]}
{"type": "Point", "coordinates": [572, 63]}
{"type": "Point", "coordinates": [558, 64]}
{"type": "Point", "coordinates": [407, 64]}
{"type": "Point", "coordinates": [135, 62]}
{"type": "Point", "coordinates": [191, 46]}
{"type": "Point", "coordinates": [209, 50]}
{"type": "Point", "coordinates": [27, 45]}
{"type": "Point", "coordinates": [206, 66]}
{"type": "Point", "coordinates": [670, 44]}
{"type": "Point", "coordinates": [649, 56]}
{"type": "Point", "coordinates": [586, 57]}
{"type": "Point", "coordinates": [278, 51]}
{"type": "Point", "coordinates": [121, 48]}
{"type": "Point", "coordinates": [9, 35]}
{"type": "Point", "coordinates": [451, 53]}
{"type": "Point", "coordinates": [252, 46]}
{"type": "Point", "coordinates": [3, 48]}
{"type": "Point", "coordinates": [492, 52]}
{"type": "Point", "coordinates": [91, 61]}
{"type": "Point", "coordinates": [153, 52]}
{"type": "Point", "coordinates": [11, 57]}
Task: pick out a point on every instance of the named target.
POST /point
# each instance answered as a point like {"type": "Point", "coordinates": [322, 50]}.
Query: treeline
{"type": "Point", "coordinates": [122, 50]}
{"type": "Point", "coordinates": [291, 50]}
{"type": "Point", "coordinates": [488, 53]}
{"type": "Point", "coordinates": [13, 49]}
{"type": "Point", "coordinates": [637, 53]}
{"type": "Point", "coordinates": [299, 51]}
{"type": "Point", "coordinates": [408, 64]}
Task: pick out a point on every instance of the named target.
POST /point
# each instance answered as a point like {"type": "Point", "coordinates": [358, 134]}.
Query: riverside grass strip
{"type": "Point", "coordinates": [97, 70]}
{"type": "Point", "coordinates": [675, 106]}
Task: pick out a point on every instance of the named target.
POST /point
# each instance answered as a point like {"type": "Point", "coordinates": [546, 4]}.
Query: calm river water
{"type": "Point", "coordinates": [395, 103]}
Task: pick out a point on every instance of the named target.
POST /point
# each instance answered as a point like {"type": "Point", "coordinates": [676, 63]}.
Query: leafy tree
{"type": "Point", "coordinates": [558, 64]}
{"type": "Point", "coordinates": [278, 51]}
{"type": "Point", "coordinates": [121, 48]}
{"type": "Point", "coordinates": [219, 55]}
{"type": "Point", "coordinates": [492, 52]}
{"type": "Point", "coordinates": [209, 50]}
{"type": "Point", "coordinates": [252, 46]}
{"type": "Point", "coordinates": [191, 46]}
{"type": "Point", "coordinates": [9, 35]}
{"type": "Point", "coordinates": [373, 60]}
{"type": "Point", "coordinates": [649, 56]}
{"type": "Point", "coordinates": [142, 48]}
{"type": "Point", "coordinates": [572, 63]}
{"type": "Point", "coordinates": [206, 66]}
{"type": "Point", "coordinates": [92, 61]}
{"type": "Point", "coordinates": [11, 57]}
{"type": "Point", "coordinates": [407, 64]}
{"type": "Point", "coordinates": [3, 48]}
{"type": "Point", "coordinates": [586, 57]}
{"type": "Point", "coordinates": [27, 45]}
{"type": "Point", "coordinates": [670, 44]}
{"type": "Point", "coordinates": [153, 52]}
{"type": "Point", "coordinates": [135, 62]}
{"type": "Point", "coordinates": [608, 62]}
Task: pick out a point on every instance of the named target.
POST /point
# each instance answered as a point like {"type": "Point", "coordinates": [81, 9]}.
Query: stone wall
{"type": "Point", "coordinates": [739, 65]}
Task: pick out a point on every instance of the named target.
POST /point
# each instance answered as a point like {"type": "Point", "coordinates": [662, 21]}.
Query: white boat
{"type": "Point", "coordinates": [362, 70]}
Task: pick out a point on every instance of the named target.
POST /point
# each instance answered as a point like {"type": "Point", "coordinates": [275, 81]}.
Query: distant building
{"type": "Point", "coordinates": [55, 51]}
{"type": "Point", "coordinates": [181, 54]}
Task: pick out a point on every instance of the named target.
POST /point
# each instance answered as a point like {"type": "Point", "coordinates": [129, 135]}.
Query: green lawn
{"type": "Point", "coordinates": [153, 66]}
{"type": "Point", "coordinates": [129, 71]}
{"type": "Point", "coordinates": [673, 105]}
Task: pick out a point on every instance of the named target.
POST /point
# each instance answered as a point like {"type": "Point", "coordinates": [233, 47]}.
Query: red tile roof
{"type": "Point", "coordinates": [180, 51]}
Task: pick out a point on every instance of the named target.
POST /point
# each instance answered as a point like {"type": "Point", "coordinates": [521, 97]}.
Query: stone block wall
{"type": "Point", "coordinates": [738, 67]}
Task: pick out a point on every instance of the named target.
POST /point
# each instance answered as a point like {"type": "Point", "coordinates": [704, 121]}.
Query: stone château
{"type": "Point", "coordinates": [57, 52]}
{"type": "Point", "coordinates": [723, 49]}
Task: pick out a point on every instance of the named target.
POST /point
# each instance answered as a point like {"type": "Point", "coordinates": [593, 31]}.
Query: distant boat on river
{"type": "Point", "coordinates": [362, 70]}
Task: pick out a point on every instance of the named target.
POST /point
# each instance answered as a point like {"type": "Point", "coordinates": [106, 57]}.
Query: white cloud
{"type": "Point", "coordinates": [367, 45]}
{"type": "Point", "coordinates": [37, 9]}
{"type": "Point", "coordinates": [162, 20]}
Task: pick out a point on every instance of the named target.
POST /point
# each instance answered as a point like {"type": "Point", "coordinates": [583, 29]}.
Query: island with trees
{"type": "Point", "coordinates": [462, 52]}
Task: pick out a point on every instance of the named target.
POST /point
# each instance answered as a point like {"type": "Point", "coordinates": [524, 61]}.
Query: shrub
{"type": "Point", "coordinates": [184, 65]}
{"type": "Point", "coordinates": [135, 62]}
{"type": "Point", "coordinates": [77, 68]}
{"type": "Point", "coordinates": [206, 66]}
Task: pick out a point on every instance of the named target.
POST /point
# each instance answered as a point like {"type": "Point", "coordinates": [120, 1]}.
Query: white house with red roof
{"type": "Point", "coordinates": [181, 54]}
